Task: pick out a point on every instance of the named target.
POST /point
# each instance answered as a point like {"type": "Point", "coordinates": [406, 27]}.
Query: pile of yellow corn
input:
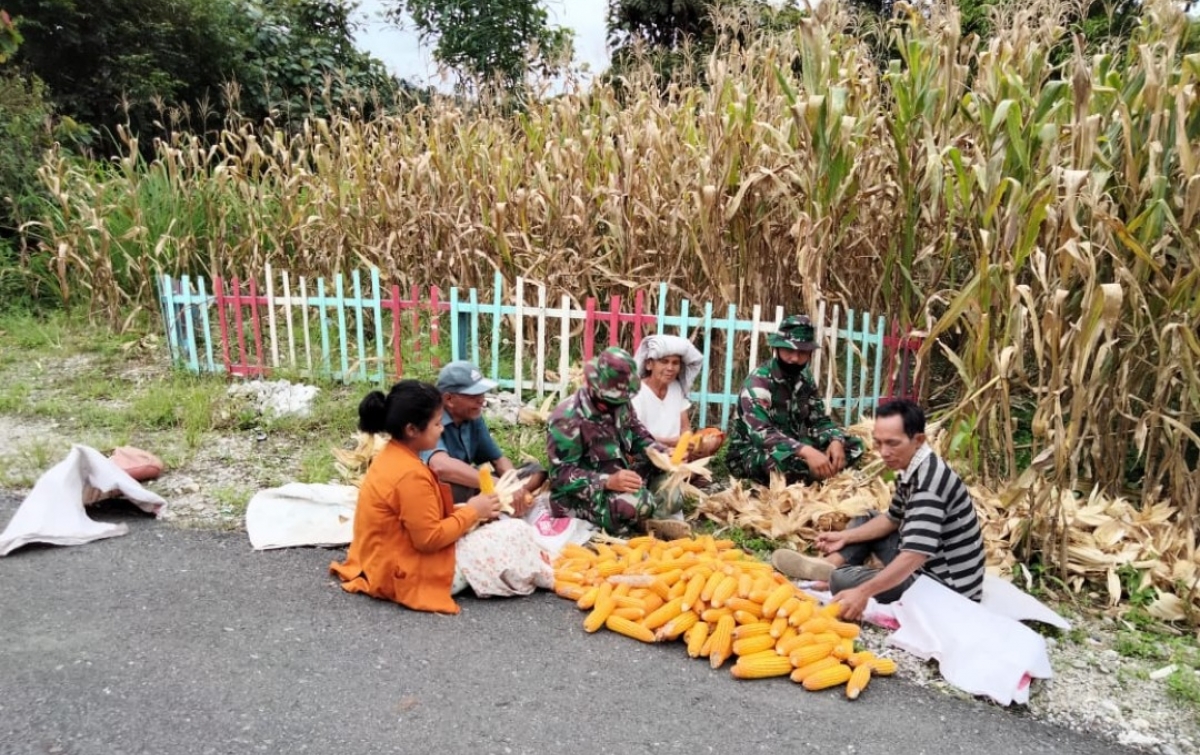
{"type": "Point", "coordinates": [720, 602]}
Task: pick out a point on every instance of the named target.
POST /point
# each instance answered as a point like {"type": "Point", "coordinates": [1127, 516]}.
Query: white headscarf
{"type": "Point", "coordinates": [657, 347]}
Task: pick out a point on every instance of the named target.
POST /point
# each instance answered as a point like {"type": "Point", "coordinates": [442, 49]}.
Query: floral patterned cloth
{"type": "Point", "coordinates": [501, 559]}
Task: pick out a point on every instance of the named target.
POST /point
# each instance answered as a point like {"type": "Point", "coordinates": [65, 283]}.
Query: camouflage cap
{"type": "Point", "coordinates": [612, 376]}
{"type": "Point", "coordinates": [795, 332]}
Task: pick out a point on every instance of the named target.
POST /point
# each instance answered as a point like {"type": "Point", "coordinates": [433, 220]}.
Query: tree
{"type": "Point", "coordinates": [489, 42]}
{"type": "Point", "coordinates": [110, 62]}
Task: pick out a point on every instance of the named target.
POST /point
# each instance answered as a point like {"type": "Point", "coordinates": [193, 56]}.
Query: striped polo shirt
{"type": "Point", "coordinates": [937, 519]}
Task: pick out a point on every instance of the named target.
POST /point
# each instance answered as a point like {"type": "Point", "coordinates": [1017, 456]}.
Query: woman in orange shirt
{"type": "Point", "coordinates": [407, 529]}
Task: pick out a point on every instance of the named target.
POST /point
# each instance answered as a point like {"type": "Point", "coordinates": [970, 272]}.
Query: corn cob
{"type": "Point", "coordinates": [845, 629]}
{"type": "Point", "coordinates": [779, 596]}
{"type": "Point", "coordinates": [487, 485]}
{"type": "Point", "coordinates": [816, 624]}
{"type": "Point", "coordinates": [785, 646]}
{"type": "Point", "coordinates": [629, 629]}
{"type": "Point", "coordinates": [692, 594]}
{"type": "Point", "coordinates": [830, 677]}
{"type": "Point", "coordinates": [843, 649]}
{"type": "Point", "coordinates": [778, 627]}
{"type": "Point", "coordinates": [801, 673]}
{"type": "Point", "coordinates": [710, 586]}
{"type": "Point", "coordinates": [751, 645]}
{"type": "Point", "coordinates": [883, 667]}
{"type": "Point", "coordinates": [761, 667]}
{"type": "Point", "coordinates": [605, 605]}
{"type": "Point", "coordinates": [681, 448]}
{"type": "Point", "coordinates": [749, 606]}
{"type": "Point", "coordinates": [722, 642]}
{"type": "Point", "coordinates": [833, 610]}
{"type": "Point", "coordinates": [633, 614]}
{"type": "Point", "coordinates": [696, 636]}
{"type": "Point", "coordinates": [569, 590]}
{"type": "Point", "coordinates": [588, 599]}
{"type": "Point", "coordinates": [858, 681]}
{"type": "Point", "coordinates": [713, 615]}
{"type": "Point", "coordinates": [829, 637]}
{"type": "Point", "coordinates": [751, 630]}
{"type": "Point", "coordinates": [724, 592]}
{"type": "Point", "coordinates": [745, 585]}
{"type": "Point", "coordinates": [677, 626]}
{"type": "Point", "coordinates": [806, 654]}
{"type": "Point", "coordinates": [857, 659]}
{"type": "Point", "coordinates": [669, 610]}
{"type": "Point", "coordinates": [745, 617]}
{"type": "Point", "coordinates": [801, 614]}
{"type": "Point", "coordinates": [789, 606]}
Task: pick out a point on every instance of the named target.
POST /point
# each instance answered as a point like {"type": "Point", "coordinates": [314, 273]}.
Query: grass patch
{"type": "Point", "coordinates": [1184, 685]}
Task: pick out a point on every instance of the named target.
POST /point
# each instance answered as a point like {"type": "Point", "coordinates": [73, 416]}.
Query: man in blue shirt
{"type": "Point", "coordinates": [466, 442]}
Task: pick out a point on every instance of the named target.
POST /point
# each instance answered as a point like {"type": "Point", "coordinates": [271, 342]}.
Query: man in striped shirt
{"type": "Point", "coordinates": [931, 527]}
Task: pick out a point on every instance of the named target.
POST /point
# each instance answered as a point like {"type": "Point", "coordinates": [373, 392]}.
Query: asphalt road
{"type": "Point", "coordinates": [171, 641]}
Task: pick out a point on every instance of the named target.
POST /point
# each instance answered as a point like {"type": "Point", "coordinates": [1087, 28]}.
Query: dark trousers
{"type": "Point", "coordinates": [853, 573]}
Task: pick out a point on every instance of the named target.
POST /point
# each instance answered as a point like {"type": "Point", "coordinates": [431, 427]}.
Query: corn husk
{"type": "Point", "coordinates": [1097, 543]}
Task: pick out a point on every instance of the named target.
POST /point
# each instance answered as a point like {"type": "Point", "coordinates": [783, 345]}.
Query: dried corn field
{"type": "Point", "coordinates": [1040, 220]}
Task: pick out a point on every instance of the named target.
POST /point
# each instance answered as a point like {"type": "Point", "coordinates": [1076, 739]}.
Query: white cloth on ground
{"type": "Point", "coordinates": [299, 514]}
{"type": "Point", "coordinates": [981, 648]}
{"type": "Point", "coordinates": [661, 416]}
{"type": "Point", "coordinates": [53, 512]}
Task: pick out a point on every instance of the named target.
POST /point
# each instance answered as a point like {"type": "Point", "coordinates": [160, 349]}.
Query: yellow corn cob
{"type": "Point", "coordinates": [710, 586]}
{"type": "Point", "coordinates": [640, 540]}
{"type": "Point", "coordinates": [785, 646]}
{"type": "Point", "coordinates": [779, 596]}
{"type": "Point", "coordinates": [760, 596]}
{"type": "Point", "coordinates": [833, 610]}
{"type": "Point", "coordinates": [486, 484]}
{"type": "Point", "coordinates": [669, 610]}
{"type": "Point", "coordinates": [713, 615]}
{"type": "Point", "coordinates": [633, 614]}
{"type": "Point", "coordinates": [677, 590]}
{"type": "Point", "coordinates": [629, 629]}
{"type": "Point", "coordinates": [681, 448]}
{"type": "Point", "coordinates": [844, 648]}
{"type": "Point", "coordinates": [883, 667]}
{"type": "Point", "coordinates": [652, 603]}
{"type": "Point", "coordinates": [609, 568]}
{"type": "Point", "coordinates": [816, 624]}
{"type": "Point", "coordinates": [696, 636]}
{"type": "Point", "coordinates": [778, 626]}
{"type": "Point", "coordinates": [569, 590]}
{"type": "Point", "coordinates": [677, 626]}
{"type": "Point", "coordinates": [751, 645]}
{"type": "Point", "coordinates": [749, 606]}
{"type": "Point", "coordinates": [745, 617]}
{"type": "Point", "coordinates": [745, 585]}
{"type": "Point", "coordinates": [833, 676]}
{"type": "Point", "coordinates": [858, 681]}
{"type": "Point", "coordinates": [857, 659]}
{"type": "Point", "coordinates": [724, 592]}
{"type": "Point", "coordinates": [603, 551]}
{"type": "Point", "coordinates": [660, 588]}
{"type": "Point", "coordinates": [692, 594]}
{"type": "Point", "coordinates": [801, 613]}
{"type": "Point", "coordinates": [788, 634]}
{"type": "Point", "coordinates": [806, 654]}
{"type": "Point", "coordinates": [829, 637]}
{"type": "Point", "coordinates": [626, 601]}
{"type": "Point", "coordinates": [622, 589]}
{"type": "Point", "coordinates": [751, 630]}
{"type": "Point", "coordinates": [845, 629]}
{"type": "Point", "coordinates": [571, 550]}
{"type": "Point", "coordinates": [605, 605]}
{"type": "Point", "coordinates": [587, 601]}
{"type": "Point", "coordinates": [788, 606]}
{"type": "Point", "coordinates": [723, 545]}
{"type": "Point", "coordinates": [564, 575]}
{"type": "Point", "coordinates": [722, 642]}
{"type": "Point", "coordinates": [802, 672]}
{"type": "Point", "coordinates": [761, 667]}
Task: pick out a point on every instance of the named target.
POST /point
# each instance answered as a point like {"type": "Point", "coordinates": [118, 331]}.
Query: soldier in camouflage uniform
{"type": "Point", "coordinates": [781, 423]}
{"type": "Point", "coordinates": [597, 449]}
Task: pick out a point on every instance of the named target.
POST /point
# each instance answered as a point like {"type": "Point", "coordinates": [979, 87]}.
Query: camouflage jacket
{"type": "Point", "coordinates": [585, 446]}
{"type": "Point", "coordinates": [779, 416]}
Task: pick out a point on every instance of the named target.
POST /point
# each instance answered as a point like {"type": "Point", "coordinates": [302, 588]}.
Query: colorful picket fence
{"type": "Point", "coordinates": [364, 330]}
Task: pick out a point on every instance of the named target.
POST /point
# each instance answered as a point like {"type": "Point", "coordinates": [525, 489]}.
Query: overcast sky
{"type": "Point", "coordinates": [403, 54]}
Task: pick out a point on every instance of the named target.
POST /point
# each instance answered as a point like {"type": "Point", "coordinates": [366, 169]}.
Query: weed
{"type": "Point", "coordinates": [1184, 685]}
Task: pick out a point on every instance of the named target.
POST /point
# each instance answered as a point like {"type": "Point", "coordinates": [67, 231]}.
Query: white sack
{"type": "Point", "coordinates": [978, 651]}
{"type": "Point", "coordinates": [53, 512]}
{"type": "Point", "coordinates": [298, 515]}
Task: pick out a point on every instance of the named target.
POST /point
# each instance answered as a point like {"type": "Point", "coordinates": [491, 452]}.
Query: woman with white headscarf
{"type": "Point", "coordinates": [668, 366]}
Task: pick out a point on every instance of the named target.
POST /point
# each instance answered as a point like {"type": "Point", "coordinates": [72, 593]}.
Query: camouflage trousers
{"type": "Point", "coordinates": [622, 513]}
{"type": "Point", "coordinates": [757, 464]}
